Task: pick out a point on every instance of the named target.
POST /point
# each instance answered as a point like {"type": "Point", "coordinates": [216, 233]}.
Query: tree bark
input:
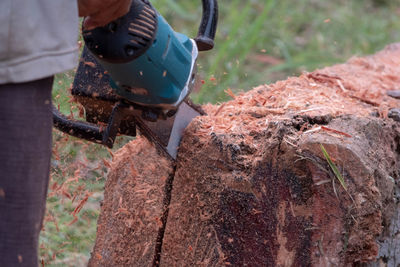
{"type": "Point", "coordinates": [252, 185]}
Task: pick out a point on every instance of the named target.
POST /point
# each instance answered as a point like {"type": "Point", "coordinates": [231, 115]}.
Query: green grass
{"type": "Point", "coordinates": [297, 35]}
{"type": "Point", "coordinates": [333, 167]}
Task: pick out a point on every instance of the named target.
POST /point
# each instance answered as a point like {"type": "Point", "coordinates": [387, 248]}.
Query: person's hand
{"type": "Point", "coordinates": [100, 12]}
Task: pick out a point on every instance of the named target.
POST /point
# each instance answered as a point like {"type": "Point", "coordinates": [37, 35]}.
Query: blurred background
{"type": "Point", "coordinates": [258, 42]}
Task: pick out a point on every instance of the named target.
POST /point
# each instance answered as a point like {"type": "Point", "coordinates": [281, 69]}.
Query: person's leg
{"type": "Point", "coordinates": [25, 151]}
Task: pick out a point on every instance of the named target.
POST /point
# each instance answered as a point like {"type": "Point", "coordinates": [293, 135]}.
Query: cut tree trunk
{"type": "Point", "coordinates": [252, 186]}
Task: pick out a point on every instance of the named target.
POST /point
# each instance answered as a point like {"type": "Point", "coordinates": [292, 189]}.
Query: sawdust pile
{"type": "Point", "coordinates": [357, 87]}
{"type": "Point", "coordinates": [253, 187]}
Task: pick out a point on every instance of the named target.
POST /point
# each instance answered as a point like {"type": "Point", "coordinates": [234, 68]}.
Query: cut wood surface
{"type": "Point", "coordinates": [252, 186]}
{"type": "Point", "coordinates": [133, 212]}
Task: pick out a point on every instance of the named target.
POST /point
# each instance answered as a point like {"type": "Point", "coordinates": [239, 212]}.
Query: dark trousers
{"type": "Point", "coordinates": [25, 151]}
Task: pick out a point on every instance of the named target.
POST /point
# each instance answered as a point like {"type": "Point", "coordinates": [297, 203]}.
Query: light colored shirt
{"type": "Point", "coordinates": [38, 38]}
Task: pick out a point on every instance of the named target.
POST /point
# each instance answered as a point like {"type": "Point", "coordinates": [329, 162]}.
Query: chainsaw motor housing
{"type": "Point", "coordinates": [149, 63]}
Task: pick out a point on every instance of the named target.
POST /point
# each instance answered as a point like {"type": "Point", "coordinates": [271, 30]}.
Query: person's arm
{"type": "Point", "coordinates": [100, 12]}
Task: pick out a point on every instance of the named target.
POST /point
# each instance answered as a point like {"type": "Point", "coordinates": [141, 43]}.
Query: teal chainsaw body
{"type": "Point", "coordinates": [137, 72]}
{"type": "Point", "coordinates": [162, 76]}
{"type": "Point", "coordinates": [149, 63]}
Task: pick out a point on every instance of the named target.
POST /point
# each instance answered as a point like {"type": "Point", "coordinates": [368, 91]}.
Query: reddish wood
{"type": "Point", "coordinates": [252, 186]}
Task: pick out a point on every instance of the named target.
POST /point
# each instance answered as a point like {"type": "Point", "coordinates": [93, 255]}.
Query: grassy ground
{"type": "Point", "coordinates": [258, 41]}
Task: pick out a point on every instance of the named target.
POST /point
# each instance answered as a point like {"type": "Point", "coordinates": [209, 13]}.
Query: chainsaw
{"type": "Point", "coordinates": [137, 73]}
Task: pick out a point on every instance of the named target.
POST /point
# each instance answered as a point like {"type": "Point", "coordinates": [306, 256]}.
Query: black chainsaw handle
{"type": "Point", "coordinates": [91, 132]}
{"type": "Point", "coordinates": [76, 128]}
{"type": "Point", "coordinates": [208, 25]}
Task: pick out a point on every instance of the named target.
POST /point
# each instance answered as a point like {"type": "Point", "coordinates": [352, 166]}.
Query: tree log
{"type": "Point", "coordinates": [252, 185]}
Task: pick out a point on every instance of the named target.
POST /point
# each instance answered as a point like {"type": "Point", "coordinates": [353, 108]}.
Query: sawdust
{"type": "Point", "coordinates": [357, 87]}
